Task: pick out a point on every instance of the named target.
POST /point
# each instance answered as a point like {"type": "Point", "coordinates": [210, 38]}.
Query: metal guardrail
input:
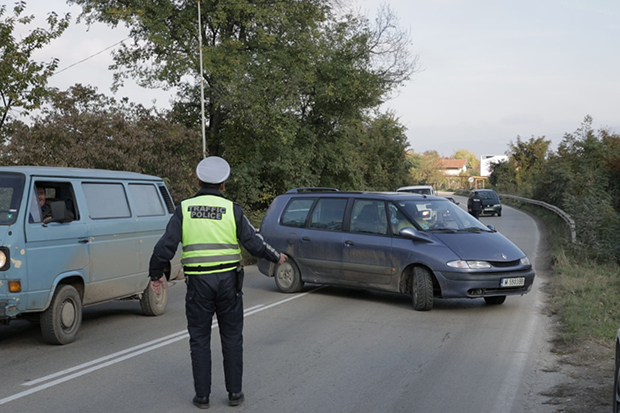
{"type": "Point", "coordinates": [553, 208]}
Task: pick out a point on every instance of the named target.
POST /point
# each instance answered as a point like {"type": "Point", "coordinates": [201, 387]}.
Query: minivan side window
{"type": "Point", "coordinates": [296, 212]}
{"type": "Point", "coordinates": [398, 220]}
{"type": "Point", "coordinates": [328, 214]}
{"type": "Point", "coordinates": [146, 200]}
{"type": "Point", "coordinates": [106, 200]}
{"type": "Point", "coordinates": [369, 217]}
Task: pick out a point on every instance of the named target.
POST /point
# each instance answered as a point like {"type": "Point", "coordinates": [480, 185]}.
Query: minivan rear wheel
{"type": "Point", "coordinates": [288, 277]}
{"type": "Point", "coordinates": [62, 319]}
{"type": "Point", "coordinates": [154, 304]}
{"type": "Point", "coordinates": [422, 289]}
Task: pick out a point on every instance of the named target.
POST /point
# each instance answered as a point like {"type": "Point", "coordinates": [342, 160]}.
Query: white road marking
{"type": "Point", "coordinates": [123, 355]}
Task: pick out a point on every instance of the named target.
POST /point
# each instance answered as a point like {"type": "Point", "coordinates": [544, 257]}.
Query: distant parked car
{"type": "Point", "coordinates": [418, 189]}
{"type": "Point", "coordinates": [423, 246]}
{"type": "Point", "coordinates": [491, 205]}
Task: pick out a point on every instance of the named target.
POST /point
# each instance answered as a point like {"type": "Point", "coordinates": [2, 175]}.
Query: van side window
{"type": "Point", "coordinates": [48, 192]}
{"type": "Point", "coordinates": [328, 214]}
{"type": "Point", "coordinates": [146, 200]}
{"type": "Point", "coordinates": [296, 212]}
{"type": "Point", "coordinates": [106, 200]}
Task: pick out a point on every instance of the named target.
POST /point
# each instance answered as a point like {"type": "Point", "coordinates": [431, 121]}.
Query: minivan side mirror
{"type": "Point", "coordinates": [414, 235]}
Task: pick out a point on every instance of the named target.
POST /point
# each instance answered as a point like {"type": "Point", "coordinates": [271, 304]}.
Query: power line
{"type": "Point", "coordinates": [91, 56]}
{"type": "Point", "coordinates": [127, 38]}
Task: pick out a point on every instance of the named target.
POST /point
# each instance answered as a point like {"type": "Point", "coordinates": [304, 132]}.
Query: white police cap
{"type": "Point", "coordinates": [213, 170]}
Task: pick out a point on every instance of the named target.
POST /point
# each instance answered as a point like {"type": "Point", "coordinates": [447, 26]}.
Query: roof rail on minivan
{"type": "Point", "coordinates": [311, 189]}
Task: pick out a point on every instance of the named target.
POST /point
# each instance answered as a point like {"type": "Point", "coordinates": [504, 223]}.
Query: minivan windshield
{"type": "Point", "coordinates": [11, 191]}
{"type": "Point", "coordinates": [440, 215]}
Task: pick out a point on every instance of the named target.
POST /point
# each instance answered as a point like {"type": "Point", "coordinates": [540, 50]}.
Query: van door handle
{"type": "Point", "coordinates": [83, 240]}
{"type": "Point", "coordinates": [349, 243]}
{"type": "Point", "coordinates": [305, 238]}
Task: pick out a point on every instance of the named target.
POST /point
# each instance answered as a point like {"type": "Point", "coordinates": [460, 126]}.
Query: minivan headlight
{"type": "Point", "coordinates": [525, 261]}
{"type": "Point", "coordinates": [474, 265]}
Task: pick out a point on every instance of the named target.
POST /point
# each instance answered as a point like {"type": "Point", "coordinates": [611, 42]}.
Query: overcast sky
{"type": "Point", "coordinates": [489, 70]}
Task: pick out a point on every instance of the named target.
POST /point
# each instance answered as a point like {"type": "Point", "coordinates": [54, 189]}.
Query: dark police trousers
{"type": "Point", "coordinates": [208, 294]}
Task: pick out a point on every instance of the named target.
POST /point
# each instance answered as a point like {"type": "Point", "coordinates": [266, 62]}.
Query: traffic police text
{"type": "Point", "coordinates": [206, 212]}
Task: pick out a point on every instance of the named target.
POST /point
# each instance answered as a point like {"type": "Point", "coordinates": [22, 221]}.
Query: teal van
{"type": "Point", "coordinates": [72, 237]}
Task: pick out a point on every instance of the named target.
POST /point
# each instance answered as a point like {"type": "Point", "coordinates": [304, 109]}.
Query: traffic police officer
{"type": "Point", "coordinates": [210, 228]}
{"type": "Point", "coordinates": [474, 205]}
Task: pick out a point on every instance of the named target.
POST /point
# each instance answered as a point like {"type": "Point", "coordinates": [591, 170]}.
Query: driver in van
{"type": "Point", "coordinates": [46, 210]}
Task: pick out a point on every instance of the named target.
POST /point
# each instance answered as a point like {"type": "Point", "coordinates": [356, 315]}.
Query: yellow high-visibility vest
{"type": "Point", "coordinates": [209, 239]}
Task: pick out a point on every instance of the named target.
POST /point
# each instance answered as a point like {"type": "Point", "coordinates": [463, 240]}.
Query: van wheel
{"type": "Point", "coordinates": [154, 304]}
{"type": "Point", "coordinates": [499, 214]}
{"type": "Point", "coordinates": [62, 319]}
{"type": "Point", "coordinates": [497, 300]}
{"type": "Point", "coordinates": [288, 277]}
{"type": "Point", "coordinates": [422, 289]}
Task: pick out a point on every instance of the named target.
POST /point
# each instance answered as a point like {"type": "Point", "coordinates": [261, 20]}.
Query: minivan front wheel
{"type": "Point", "coordinates": [154, 304]}
{"type": "Point", "coordinates": [288, 277]}
{"type": "Point", "coordinates": [62, 319]}
{"type": "Point", "coordinates": [422, 289]}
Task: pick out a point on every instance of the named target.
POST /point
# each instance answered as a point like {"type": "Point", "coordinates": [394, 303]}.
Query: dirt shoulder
{"type": "Point", "coordinates": [588, 371]}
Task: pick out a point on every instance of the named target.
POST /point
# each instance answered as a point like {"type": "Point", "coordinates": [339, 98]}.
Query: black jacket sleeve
{"type": "Point", "coordinates": [167, 245]}
{"type": "Point", "coordinates": [251, 240]}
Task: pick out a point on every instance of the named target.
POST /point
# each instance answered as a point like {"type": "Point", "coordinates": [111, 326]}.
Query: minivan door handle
{"type": "Point", "coordinates": [305, 238]}
{"type": "Point", "coordinates": [349, 243]}
{"type": "Point", "coordinates": [83, 240]}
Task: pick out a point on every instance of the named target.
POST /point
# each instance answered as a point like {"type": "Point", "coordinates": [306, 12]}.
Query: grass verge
{"type": "Point", "coordinates": [584, 293]}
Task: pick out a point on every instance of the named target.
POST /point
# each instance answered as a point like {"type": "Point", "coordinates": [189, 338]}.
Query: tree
{"type": "Point", "coordinates": [22, 80]}
{"type": "Point", "coordinates": [288, 85]}
{"type": "Point", "coordinates": [529, 158]}
{"type": "Point", "coordinates": [426, 170]}
{"type": "Point", "coordinates": [473, 164]}
{"type": "Point", "coordinates": [82, 128]}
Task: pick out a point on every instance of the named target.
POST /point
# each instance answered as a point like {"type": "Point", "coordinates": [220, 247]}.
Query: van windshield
{"type": "Point", "coordinates": [11, 191]}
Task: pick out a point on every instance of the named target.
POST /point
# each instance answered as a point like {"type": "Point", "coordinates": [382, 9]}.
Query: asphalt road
{"type": "Point", "coordinates": [323, 350]}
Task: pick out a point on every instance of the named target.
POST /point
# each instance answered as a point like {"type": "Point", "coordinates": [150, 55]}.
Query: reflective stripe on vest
{"type": "Point", "coordinates": [209, 235]}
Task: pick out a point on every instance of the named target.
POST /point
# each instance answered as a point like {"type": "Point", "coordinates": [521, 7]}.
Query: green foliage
{"type": "Point", "coordinates": [426, 170]}
{"type": "Point", "coordinates": [473, 164]}
{"type": "Point", "coordinates": [581, 178]}
{"type": "Point", "coordinates": [81, 128]}
{"type": "Point", "coordinates": [291, 89]}
{"type": "Point", "coordinates": [22, 80]}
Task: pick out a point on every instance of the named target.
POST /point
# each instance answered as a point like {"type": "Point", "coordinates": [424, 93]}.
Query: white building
{"type": "Point", "coordinates": [487, 160]}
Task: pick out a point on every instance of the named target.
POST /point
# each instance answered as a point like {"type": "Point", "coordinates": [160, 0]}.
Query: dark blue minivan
{"type": "Point", "coordinates": [425, 246]}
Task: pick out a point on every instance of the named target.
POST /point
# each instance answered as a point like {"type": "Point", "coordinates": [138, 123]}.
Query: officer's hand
{"type": "Point", "coordinates": [283, 257]}
{"type": "Point", "coordinates": [157, 285]}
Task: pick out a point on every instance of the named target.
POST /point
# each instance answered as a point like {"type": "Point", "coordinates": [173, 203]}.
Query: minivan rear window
{"type": "Point", "coordinates": [296, 212]}
{"type": "Point", "coordinates": [328, 214]}
{"type": "Point", "coordinates": [106, 200]}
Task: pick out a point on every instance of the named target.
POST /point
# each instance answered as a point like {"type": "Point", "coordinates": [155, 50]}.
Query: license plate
{"type": "Point", "coordinates": [512, 282]}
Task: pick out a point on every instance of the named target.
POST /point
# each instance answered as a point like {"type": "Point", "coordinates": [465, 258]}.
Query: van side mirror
{"type": "Point", "coordinates": [59, 211]}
